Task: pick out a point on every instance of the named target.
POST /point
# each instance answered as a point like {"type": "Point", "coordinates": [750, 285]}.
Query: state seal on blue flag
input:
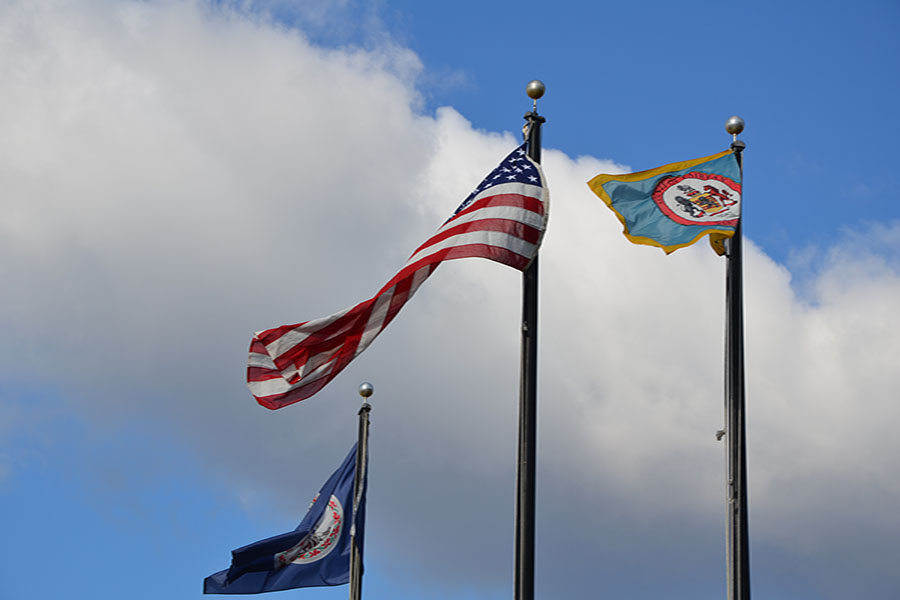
{"type": "Point", "coordinates": [316, 553]}
{"type": "Point", "coordinates": [675, 205]}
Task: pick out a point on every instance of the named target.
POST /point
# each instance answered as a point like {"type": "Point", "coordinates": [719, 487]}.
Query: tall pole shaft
{"type": "Point", "coordinates": [738, 547]}
{"type": "Point", "coordinates": [527, 451]}
{"type": "Point", "coordinates": [362, 453]}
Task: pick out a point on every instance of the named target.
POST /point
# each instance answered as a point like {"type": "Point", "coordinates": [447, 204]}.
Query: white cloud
{"type": "Point", "coordinates": [177, 176]}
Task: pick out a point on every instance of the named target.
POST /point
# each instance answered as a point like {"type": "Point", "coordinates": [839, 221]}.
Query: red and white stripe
{"type": "Point", "coordinates": [505, 223]}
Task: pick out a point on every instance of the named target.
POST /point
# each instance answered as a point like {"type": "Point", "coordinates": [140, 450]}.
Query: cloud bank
{"type": "Point", "coordinates": [176, 176]}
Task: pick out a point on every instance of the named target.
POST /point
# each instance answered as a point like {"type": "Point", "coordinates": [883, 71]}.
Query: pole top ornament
{"type": "Point", "coordinates": [535, 89]}
{"type": "Point", "coordinates": [366, 389]}
{"type": "Point", "coordinates": [734, 125]}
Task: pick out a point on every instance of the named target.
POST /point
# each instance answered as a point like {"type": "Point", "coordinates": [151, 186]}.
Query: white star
{"type": "Point", "coordinates": [532, 178]}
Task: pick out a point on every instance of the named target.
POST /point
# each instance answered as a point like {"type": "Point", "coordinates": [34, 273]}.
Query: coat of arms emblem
{"type": "Point", "coordinates": [699, 199]}
{"type": "Point", "coordinates": [320, 541]}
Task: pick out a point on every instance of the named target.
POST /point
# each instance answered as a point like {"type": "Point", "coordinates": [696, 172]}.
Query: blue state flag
{"type": "Point", "coordinates": [316, 553]}
{"type": "Point", "coordinates": [675, 205]}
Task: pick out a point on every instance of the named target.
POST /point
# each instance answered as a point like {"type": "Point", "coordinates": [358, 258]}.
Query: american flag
{"type": "Point", "coordinates": [503, 220]}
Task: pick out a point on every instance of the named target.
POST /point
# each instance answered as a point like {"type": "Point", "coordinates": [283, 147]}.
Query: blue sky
{"type": "Point", "coordinates": [176, 176]}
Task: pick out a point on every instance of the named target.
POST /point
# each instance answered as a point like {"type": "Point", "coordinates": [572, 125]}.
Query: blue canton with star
{"type": "Point", "coordinates": [515, 168]}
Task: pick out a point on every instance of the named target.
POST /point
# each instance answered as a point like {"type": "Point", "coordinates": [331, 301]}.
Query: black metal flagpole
{"type": "Point", "coordinates": [362, 446]}
{"type": "Point", "coordinates": [737, 539]}
{"type": "Point", "coordinates": [525, 472]}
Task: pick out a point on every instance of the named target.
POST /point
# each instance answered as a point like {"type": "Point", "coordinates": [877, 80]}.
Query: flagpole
{"type": "Point", "coordinates": [737, 536]}
{"type": "Point", "coordinates": [525, 470]}
{"type": "Point", "coordinates": [362, 446]}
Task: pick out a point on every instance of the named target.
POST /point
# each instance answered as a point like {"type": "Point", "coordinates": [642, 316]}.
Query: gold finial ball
{"type": "Point", "coordinates": [734, 125]}
{"type": "Point", "coordinates": [535, 89]}
{"type": "Point", "coordinates": [366, 389]}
